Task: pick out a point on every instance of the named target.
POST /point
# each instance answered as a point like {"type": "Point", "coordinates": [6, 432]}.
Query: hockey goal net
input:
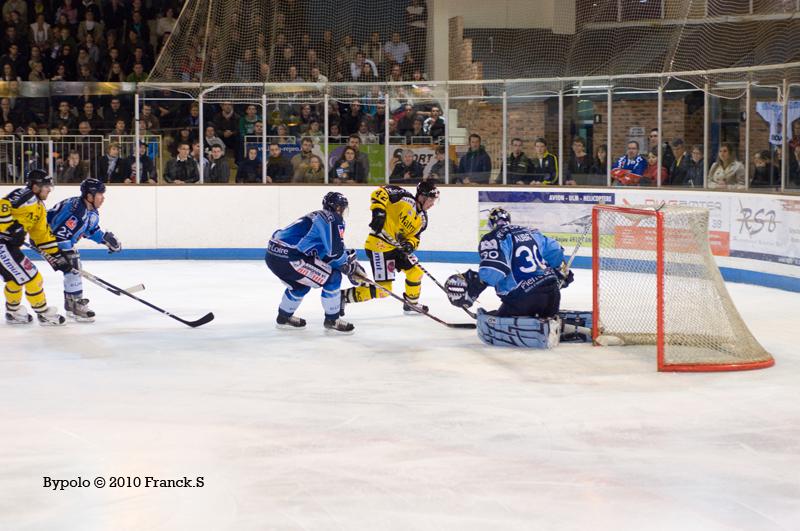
{"type": "Point", "coordinates": [657, 283]}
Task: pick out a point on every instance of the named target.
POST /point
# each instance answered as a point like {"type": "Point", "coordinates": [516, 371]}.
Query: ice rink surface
{"type": "Point", "coordinates": [404, 425]}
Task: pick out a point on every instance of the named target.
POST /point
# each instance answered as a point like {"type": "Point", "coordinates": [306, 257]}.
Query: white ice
{"type": "Point", "coordinates": [403, 425]}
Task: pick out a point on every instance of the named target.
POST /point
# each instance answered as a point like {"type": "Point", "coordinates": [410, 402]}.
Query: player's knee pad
{"type": "Point", "coordinates": [414, 275]}
{"type": "Point", "coordinates": [529, 332]}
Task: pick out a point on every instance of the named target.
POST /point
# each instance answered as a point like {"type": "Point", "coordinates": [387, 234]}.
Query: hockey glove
{"type": "Point", "coordinates": [111, 241]}
{"type": "Point", "coordinates": [378, 220]}
{"type": "Point", "coordinates": [565, 280]}
{"type": "Point", "coordinates": [353, 270]}
{"type": "Point", "coordinates": [59, 261]}
{"type": "Point", "coordinates": [464, 289]}
{"type": "Point", "coordinates": [13, 235]}
{"type": "Point", "coordinates": [406, 246]}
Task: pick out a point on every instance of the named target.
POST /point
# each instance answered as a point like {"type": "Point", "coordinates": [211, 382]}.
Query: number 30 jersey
{"type": "Point", "coordinates": [512, 255]}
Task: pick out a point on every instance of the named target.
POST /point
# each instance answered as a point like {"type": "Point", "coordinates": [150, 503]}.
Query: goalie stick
{"type": "Point", "coordinates": [415, 307]}
{"type": "Point", "coordinates": [119, 291]}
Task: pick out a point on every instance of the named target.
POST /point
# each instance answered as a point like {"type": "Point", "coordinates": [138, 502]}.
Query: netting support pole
{"type": "Point", "coordinates": [50, 162]}
{"type": "Point", "coordinates": [387, 142]}
{"type": "Point", "coordinates": [560, 138]}
{"type": "Point", "coordinates": [201, 136]}
{"type": "Point", "coordinates": [505, 139]}
{"type": "Point", "coordinates": [446, 133]}
{"type": "Point", "coordinates": [326, 102]}
{"type": "Point", "coordinates": [610, 133]}
{"type": "Point", "coordinates": [264, 147]}
{"type": "Point", "coordinates": [747, 98]}
{"type": "Point", "coordinates": [136, 132]}
{"type": "Point", "coordinates": [660, 125]}
{"type": "Point", "coordinates": [706, 131]}
{"type": "Point", "coordinates": [785, 135]}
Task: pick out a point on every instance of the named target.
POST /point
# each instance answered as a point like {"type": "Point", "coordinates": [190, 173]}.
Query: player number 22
{"type": "Point", "coordinates": [532, 256]}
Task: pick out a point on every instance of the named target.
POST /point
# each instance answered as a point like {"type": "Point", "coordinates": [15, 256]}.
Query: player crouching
{"type": "Point", "coordinates": [22, 212]}
{"type": "Point", "coordinates": [522, 266]}
{"type": "Point", "coordinates": [310, 253]}
{"type": "Point", "coordinates": [71, 220]}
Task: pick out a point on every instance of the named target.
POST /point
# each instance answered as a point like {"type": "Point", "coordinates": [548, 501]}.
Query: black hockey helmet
{"type": "Point", "coordinates": [92, 186]}
{"type": "Point", "coordinates": [498, 217]}
{"type": "Point", "coordinates": [427, 189]}
{"type": "Point", "coordinates": [335, 202]}
{"type": "Point", "coordinates": [39, 177]}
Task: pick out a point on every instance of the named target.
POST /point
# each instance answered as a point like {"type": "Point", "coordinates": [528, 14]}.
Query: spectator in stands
{"type": "Point", "coordinates": [354, 141]}
{"type": "Point", "coordinates": [199, 161]}
{"type": "Point", "coordinates": [120, 127]}
{"type": "Point", "coordinates": [518, 164]}
{"type": "Point", "coordinates": [279, 170]}
{"type": "Point", "coordinates": [475, 165]}
{"type": "Point", "coordinates": [146, 171]}
{"type": "Point", "coordinates": [247, 123]}
{"type": "Point", "coordinates": [182, 169]}
{"type": "Point", "coordinates": [416, 24]}
{"type": "Point", "coordinates": [765, 175]}
{"type": "Point", "coordinates": [348, 49]}
{"type": "Point", "coordinates": [166, 22]}
{"type": "Point", "coordinates": [37, 72]}
{"type": "Point", "coordinates": [73, 171]}
{"type": "Point", "coordinates": [283, 62]}
{"type": "Point", "coordinates": [340, 69]}
{"type": "Point", "coordinates": [90, 26]}
{"type": "Point", "coordinates": [580, 163]}
{"type": "Point", "coordinates": [292, 76]}
{"type": "Point", "coordinates": [667, 156]}
{"type": "Point", "coordinates": [395, 74]}
{"type": "Point", "coordinates": [88, 115]}
{"type": "Point", "coordinates": [311, 62]}
{"type": "Point", "coordinates": [363, 70]}
{"type": "Point", "coordinates": [303, 157]}
{"type": "Point", "coordinates": [138, 75]}
{"type": "Point", "coordinates": [313, 172]}
{"type": "Point", "coordinates": [351, 117]}
{"type": "Point", "coordinates": [41, 34]}
{"type": "Point", "coordinates": [433, 126]}
{"type": "Point", "coordinates": [373, 50]}
{"type": "Point", "coordinates": [726, 172]}
{"type": "Point", "coordinates": [316, 76]}
{"type": "Point", "coordinates": [282, 132]}
{"type": "Point", "coordinates": [347, 169]}
{"type": "Point", "coordinates": [314, 132]}
{"type": "Point", "coordinates": [600, 166]}
{"type": "Point", "coordinates": [334, 133]}
{"type": "Point", "coordinates": [218, 169]}
{"type": "Point", "coordinates": [7, 114]}
{"type": "Point", "coordinates": [64, 116]}
{"type": "Point", "coordinates": [407, 171]}
{"type": "Point", "coordinates": [326, 48]}
{"type": "Point", "coordinates": [632, 161]}
{"type": "Point", "coordinates": [543, 164]}
{"type": "Point", "coordinates": [680, 165]}
{"type": "Point", "coordinates": [694, 171]}
{"type": "Point", "coordinates": [794, 167]}
{"type": "Point", "coordinates": [111, 168]}
{"type": "Point", "coordinates": [795, 141]}
{"type": "Point", "coordinates": [211, 139]}
{"type": "Point", "coordinates": [651, 176]}
{"type": "Point", "coordinates": [114, 112]}
{"type": "Point", "coordinates": [60, 73]}
{"type": "Point", "coordinates": [416, 135]}
{"type": "Point", "coordinates": [250, 168]}
{"type": "Point", "coordinates": [397, 51]}
{"type": "Point", "coordinates": [150, 120]}
{"type": "Point", "coordinates": [438, 169]}
{"type": "Point", "coordinates": [366, 136]}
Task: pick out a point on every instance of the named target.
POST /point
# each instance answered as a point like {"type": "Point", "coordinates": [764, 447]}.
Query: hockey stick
{"type": "Point", "coordinates": [578, 245]}
{"type": "Point", "coordinates": [413, 259]}
{"type": "Point", "coordinates": [135, 289]}
{"type": "Point", "coordinates": [119, 291]}
{"type": "Point", "coordinates": [414, 307]}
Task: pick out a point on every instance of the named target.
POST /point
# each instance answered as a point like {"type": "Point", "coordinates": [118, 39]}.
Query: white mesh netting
{"type": "Point", "coordinates": [702, 330]}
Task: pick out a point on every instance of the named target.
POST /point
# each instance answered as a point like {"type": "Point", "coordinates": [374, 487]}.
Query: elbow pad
{"type": "Point", "coordinates": [378, 220]}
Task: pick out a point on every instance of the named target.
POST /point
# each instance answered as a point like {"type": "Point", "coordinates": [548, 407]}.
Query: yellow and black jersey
{"type": "Point", "coordinates": [404, 220]}
{"type": "Point", "coordinates": [22, 208]}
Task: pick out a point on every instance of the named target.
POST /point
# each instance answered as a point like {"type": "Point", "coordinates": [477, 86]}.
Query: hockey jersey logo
{"type": "Point", "coordinates": [71, 223]}
{"type": "Point", "coordinates": [27, 264]}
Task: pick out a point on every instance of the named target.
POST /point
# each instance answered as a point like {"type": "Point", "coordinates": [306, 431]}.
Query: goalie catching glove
{"type": "Point", "coordinates": [353, 270]}
{"type": "Point", "coordinates": [463, 289]}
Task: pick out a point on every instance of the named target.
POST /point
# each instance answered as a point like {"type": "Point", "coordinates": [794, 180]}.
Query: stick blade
{"type": "Point", "coordinates": [470, 326]}
{"type": "Point", "coordinates": [207, 318]}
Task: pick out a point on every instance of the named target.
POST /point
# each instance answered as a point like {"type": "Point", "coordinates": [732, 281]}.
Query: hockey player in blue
{"type": "Point", "coordinates": [310, 253]}
{"type": "Point", "coordinates": [71, 220]}
{"type": "Point", "coordinates": [523, 267]}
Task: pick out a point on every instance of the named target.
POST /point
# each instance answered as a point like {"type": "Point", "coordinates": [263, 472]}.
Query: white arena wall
{"type": "Point", "coordinates": [235, 222]}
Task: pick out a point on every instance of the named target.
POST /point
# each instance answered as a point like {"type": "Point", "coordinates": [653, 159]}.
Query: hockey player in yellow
{"type": "Point", "coordinates": [22, 212]}
{"type": "Point", "coordinates": [398, 220]}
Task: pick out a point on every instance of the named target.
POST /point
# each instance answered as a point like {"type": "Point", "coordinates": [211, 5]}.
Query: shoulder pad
{"type": "Point", "coordinates": [21, 196]}
{"type": "Point", "coordinates": [324, 214]}
{"type": "Point", "coordinates": [396, 193]}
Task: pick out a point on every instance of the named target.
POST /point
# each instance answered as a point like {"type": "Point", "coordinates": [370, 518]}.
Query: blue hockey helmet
{"type": "Point", "coordinates": [335, 202]}
{"type": "Point", "coordinates": [92, 186]}
{"type": "Point", "coordinates": [39, 177]}
{"type": "Point", "coordinates": [499, 217]}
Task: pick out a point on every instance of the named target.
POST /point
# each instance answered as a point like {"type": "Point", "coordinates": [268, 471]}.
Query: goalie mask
{"type": "Point", "coordinates": [498, 217]}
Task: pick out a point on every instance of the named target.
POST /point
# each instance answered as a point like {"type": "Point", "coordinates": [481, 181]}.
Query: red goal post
{"type": "Point", "coordinates": [655, 282]}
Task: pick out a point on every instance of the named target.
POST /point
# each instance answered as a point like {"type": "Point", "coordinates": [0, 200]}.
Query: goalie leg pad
{"type": "Point", "coordinates": [528, 332]}
{"type": "Point", "coordinates": [577, 326]}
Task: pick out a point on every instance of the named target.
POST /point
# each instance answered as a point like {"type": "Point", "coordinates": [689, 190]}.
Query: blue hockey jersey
{"type": "Point", "coordinates": [319, 233]}
{"type": "Point", "coordinates": [637, 165]}
{"type": "Point", "coordinates": [512, 255]}
{"type": "Point", "coordinates": [70, 221]}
